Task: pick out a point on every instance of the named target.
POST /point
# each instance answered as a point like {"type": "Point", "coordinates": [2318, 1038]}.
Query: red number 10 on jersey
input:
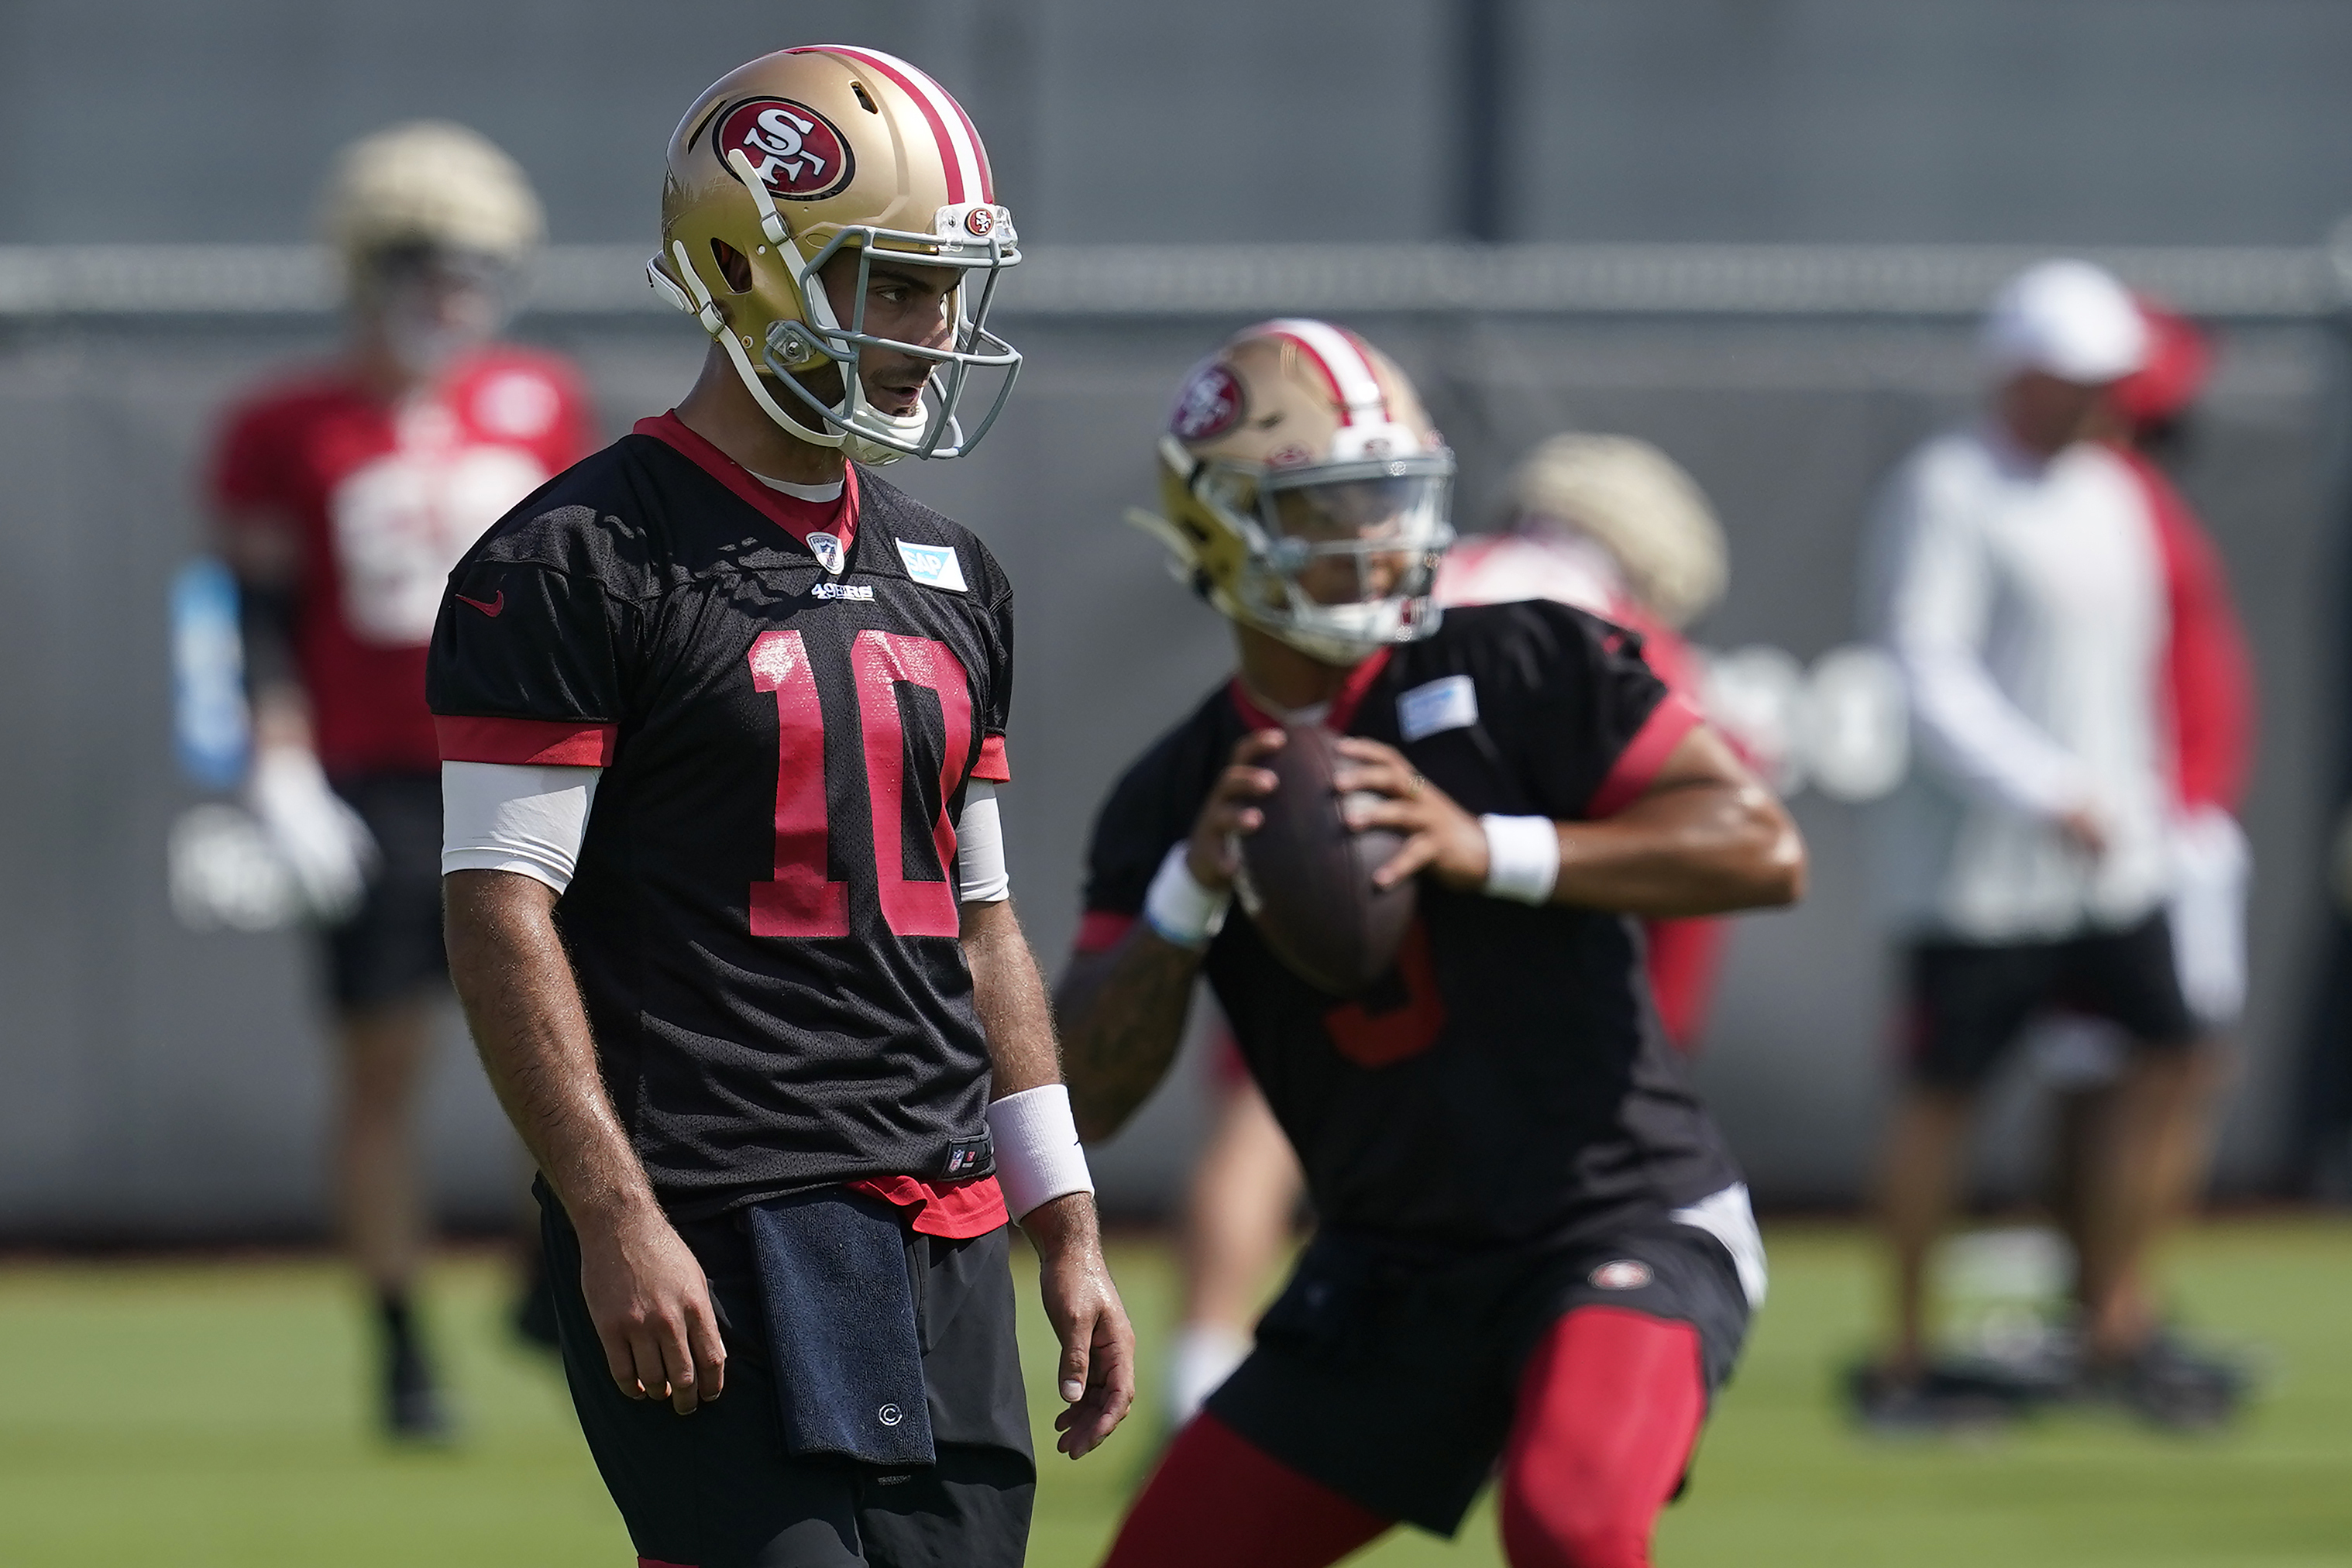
{"type": "Point", "coordinates": [801, 901]}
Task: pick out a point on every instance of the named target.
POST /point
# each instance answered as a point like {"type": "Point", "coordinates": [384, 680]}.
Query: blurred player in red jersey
{"type": "Point", "coordinates": [1533, 1252]}
{"type": "Point", "coordinates": [344, 494]}
{"type": "Point", "coordinates": [1608, 524]}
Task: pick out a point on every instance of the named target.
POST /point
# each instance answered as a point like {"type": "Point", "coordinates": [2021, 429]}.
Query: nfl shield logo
{"type": "Point", "coordinates": [827, 551]}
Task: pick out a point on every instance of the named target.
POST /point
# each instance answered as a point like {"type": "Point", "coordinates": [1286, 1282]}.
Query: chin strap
{"type": "Point", "coordinates": [707, 312]}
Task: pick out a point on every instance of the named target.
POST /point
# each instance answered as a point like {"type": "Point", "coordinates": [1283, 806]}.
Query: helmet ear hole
{"type": "Point", "coordinates": [733, 265]}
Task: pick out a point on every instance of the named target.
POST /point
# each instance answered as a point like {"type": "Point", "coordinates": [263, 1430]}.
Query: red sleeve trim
{"type": "Point", "coordinates": [1630, 776]}
{"type": "Point", "coordinates": [953, 1211]}
{"type": "Point", "coordinates": [539, 742]}
{"type": "Point", "coordinates": [992, 765]}
{"type": "Point", "coordinates": [1099, 931]}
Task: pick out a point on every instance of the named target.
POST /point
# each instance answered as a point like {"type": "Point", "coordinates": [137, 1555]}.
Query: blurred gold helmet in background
{"type": "Point", "coordinates": [1636, 503]}
{"type": "Point", "coordinates": [1296, 443]}
{"type": "Point", "coordinates": [429, 184]}
{"type": "Point", "coordinates": [782, 163]}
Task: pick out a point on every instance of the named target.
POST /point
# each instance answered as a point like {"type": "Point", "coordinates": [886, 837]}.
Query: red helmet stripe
{"type": "Point", "coordinates": [966, 175]}
{"type": "Point", "coordinates": [979, 148]}
{"type": "Point", "coordinates": [1339, 358]}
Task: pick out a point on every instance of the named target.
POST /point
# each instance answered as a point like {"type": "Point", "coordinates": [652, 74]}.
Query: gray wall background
{"type": "Point", "coordinates": [2064, 121]}
{"type": "Point", "coordinates": [155, 1082]}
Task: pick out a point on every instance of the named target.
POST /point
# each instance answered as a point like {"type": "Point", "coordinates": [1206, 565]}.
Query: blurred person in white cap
{"type": "Point", "coordinates": [2016, 574]}
{"type": "Point", "coordinates": [1609, 524]}
{"type": "Point", "coordinates": [344, 493]}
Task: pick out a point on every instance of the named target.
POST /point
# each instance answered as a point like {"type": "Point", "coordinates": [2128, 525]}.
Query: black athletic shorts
{"type": "Point", "coordinates": [390, 949]}
{"type": "Point", "coordinates": [1969, 1001]}
{"type": "Point", "coordinates": [716, 1489]}
{"type": "Point", "coordinates": [1393, 1383]}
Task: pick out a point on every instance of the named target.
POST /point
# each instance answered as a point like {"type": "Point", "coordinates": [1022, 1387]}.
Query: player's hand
{"type": "Point", "coordinates": [1097, 1376]}
{"type": "Point", "coordinates": [1215, 855]}
{"type": "Point", "coordinates": [324, 846]}
{"type": "Point", "coordinates": [1438, 834]}
{"type": "Point", "coordinates": [2085, 827]}
{"type": "Point", "coordinates": [651, 1306]}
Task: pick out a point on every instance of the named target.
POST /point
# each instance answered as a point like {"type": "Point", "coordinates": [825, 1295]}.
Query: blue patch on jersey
{"type": "Point", "coordinates": [933, 565]}
{"type": "Point", "coordinates": [1450, 703]}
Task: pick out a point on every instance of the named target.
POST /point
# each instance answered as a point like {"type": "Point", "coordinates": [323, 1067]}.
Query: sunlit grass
{"type": "Point", "coordinates": [214, 1412]}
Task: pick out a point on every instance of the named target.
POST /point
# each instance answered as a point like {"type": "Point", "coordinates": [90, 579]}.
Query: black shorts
{"type": "Point", "coordinates": [1969, 1001]}
{"type": "Point", "coordinates": [1394, 1384]}
{"type": "Point", "coordinates": [390, 949]}
{"type": "Point", "coordinates": [717, 1490]}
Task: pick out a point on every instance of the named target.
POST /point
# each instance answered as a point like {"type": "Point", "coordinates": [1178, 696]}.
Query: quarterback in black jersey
{"type": "Point", "coordinates": [1532, 1244]}
{"type": "Point", "coordinates": [722, 717]}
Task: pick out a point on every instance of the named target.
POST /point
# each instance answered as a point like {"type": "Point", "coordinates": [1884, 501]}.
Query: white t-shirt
{"type": "Point", "coordinates": [2024, 601]}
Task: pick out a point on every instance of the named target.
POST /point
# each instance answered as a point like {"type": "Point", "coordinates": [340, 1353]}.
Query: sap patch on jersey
{"type": "Point", "coordinates": [933, 565]}
{"type": "Point", "coordinates": [1450, 704]}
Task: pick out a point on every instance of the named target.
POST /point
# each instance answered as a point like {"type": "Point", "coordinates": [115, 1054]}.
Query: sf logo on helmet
{"type": "Point", "coordinates": [795, 151]}
{"type": "Point", "coordinates": [1209, 404]}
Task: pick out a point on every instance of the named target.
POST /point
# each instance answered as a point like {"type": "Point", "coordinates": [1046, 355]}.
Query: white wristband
{"type": "Point", "coordinates": [1522, 857]}
{"type": "Point", "coordinates": [1184, 913]}
{"type": "Point", "coordinates": [1037, 1153]}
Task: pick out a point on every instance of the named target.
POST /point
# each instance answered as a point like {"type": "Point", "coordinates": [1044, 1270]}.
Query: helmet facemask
{"type": "Point", "coordinates": [435, 303]}
{"type": "Point", "coordinates": [1340, 557]}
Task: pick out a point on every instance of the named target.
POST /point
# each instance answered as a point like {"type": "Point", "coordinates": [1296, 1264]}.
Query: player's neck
{"type": "Point", "coordinates": [1281, 677]}
{"type": "Point", "coordinates": [720, 411]}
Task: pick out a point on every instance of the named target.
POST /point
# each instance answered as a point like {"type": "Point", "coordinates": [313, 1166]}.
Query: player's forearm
{"type": "Point", "coordinates": [1702, 849]}
{"type": "Point", "coordinates": [1010, 996]}
{"type": "Point", "coordinates": [1122, 1017]}
{"type": "Point", "coordinates": [531, 1027]}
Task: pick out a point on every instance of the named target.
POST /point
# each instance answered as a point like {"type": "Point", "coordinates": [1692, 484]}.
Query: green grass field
{"type": "Point", "coordinates": [211, 1413]}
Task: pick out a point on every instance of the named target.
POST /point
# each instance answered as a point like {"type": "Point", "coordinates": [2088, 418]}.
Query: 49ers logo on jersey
{"type": "Point", "coordinates": [796, 151]}
{"type": "Point", "coordinates": [1209, 405]}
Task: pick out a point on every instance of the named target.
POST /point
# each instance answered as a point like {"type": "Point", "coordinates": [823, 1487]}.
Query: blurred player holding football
{"type": "Point", "coordinates": [1609, 524]}
{"type": "Point", "coordinates": [1533, 1245]}
{"type": "Point", "coordinates": [345, 495]}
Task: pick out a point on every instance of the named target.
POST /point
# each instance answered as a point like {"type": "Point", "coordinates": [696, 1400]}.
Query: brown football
{"type": "Point", "coordinates": [1307, 881]}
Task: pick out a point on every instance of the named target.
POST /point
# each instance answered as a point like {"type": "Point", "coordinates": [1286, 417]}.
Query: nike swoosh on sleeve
{"type": "Point", "coordinates": [491, 608]}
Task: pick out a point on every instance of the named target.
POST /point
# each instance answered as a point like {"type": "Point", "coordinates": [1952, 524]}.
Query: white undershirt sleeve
{"type": "Point", "coordinates": [503, 817]}
{"type": "Point", "coordinates": [980, 874]}
{"type": "Point", "coordinates": [507, 816]}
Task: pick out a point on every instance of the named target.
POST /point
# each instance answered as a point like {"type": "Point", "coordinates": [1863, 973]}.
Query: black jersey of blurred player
{"type": "Point", "coordinates": [1507, 1081]}
{"type": "Point", "coordinates": [763, 920]}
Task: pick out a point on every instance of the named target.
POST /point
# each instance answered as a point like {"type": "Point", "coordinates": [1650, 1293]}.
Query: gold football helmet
{"type": "Point", "coordinates": [784, 163]}
{"type": "Point", "coordinates": [1294, 453]}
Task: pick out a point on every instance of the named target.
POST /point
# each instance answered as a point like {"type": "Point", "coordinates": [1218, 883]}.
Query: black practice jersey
{"type": "Point", "coordinates": [764, 916]}
{"type": "Point", "coordinates": [1508, 1080]}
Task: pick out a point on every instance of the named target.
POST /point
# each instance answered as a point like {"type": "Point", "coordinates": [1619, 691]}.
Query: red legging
{"type": "Point", "coordinates": [1609, 1406]}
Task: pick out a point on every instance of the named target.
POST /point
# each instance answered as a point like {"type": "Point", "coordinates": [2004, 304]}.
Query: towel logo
{"type": "Point", "coordinates": [1625, 1274]}
{"type": "Point", "coordinates": [890, 1414]}
{"type": "Point", "coordinates": [933, 565]}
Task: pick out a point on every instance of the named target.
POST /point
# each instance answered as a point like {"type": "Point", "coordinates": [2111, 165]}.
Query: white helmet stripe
{"type": "Point", "coordinates": [959, 148]}
{"type": "Point", "coordinates": [1350, 373]}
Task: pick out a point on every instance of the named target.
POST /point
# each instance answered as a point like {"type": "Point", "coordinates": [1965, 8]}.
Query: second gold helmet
{"type": "Point", "coordinates": [1295, 447]}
